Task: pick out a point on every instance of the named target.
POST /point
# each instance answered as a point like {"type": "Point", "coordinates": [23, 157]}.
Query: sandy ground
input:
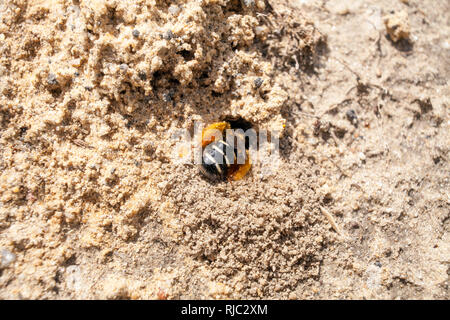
{"type": "Point", "coordinates": [92, 204]}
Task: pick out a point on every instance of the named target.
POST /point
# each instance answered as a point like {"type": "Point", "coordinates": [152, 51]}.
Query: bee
{"type": "Point", "coordinates": [219, 157]}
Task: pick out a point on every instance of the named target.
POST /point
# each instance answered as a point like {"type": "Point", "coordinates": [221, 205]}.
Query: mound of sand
{"type": "Point", "coordinates": [92, 205]}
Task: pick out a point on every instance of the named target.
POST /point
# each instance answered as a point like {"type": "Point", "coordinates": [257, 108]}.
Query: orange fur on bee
{"type": "Point", "coordinates": [241, 170]}
{"type": "Point", "coordinates": [208, 132]}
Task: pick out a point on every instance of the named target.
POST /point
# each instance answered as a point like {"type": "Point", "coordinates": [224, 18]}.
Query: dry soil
{"type": "Point", "coordinates": [93, 205]}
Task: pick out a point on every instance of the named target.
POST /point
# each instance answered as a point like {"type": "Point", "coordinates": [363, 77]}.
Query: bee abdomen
{"type": "Point", "coordinates": [217, 158]}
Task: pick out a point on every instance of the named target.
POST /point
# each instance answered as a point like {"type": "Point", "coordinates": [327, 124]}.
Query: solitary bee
{"type": "Point", "coordinates": [220, 157]}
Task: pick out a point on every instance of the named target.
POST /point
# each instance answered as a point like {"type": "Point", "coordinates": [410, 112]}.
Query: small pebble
{"type": "Point", "coordinates": [378, 264]}
{"type": "Point", "coordinates": [351, 116]}
{"type": "Point", "coordinates": [168, 35]}
{"type": "Point", "coordinates": [398, 26]}
{"type": "Point", "coordinates": [259, 30]}
{"type": "Point", "coordinates": [51, 79]}
{"type": "Point", "coordinates": [6, 258]}
{"type": "Point", "coordinates": [258, 82]}
{"type": "Point", "coordinates": [136, 33]}
{"type": "Point", "coordinates": [249, 3]}
{"type": "Point", "coordinates": [123, 67]}
{"type": "Point", "coordinates": [379, 74]}
{"type": "Point", "coordinates": [362, 156]}
{"type": "Point", "coordinates": [173, 9]}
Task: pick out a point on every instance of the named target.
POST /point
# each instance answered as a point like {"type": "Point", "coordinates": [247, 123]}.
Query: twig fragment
{"type": "Point", "coordinates": [331, 220]}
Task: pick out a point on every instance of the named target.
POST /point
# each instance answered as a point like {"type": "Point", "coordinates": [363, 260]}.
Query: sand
{"type": "Point", "coordinates": [93, 205]}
